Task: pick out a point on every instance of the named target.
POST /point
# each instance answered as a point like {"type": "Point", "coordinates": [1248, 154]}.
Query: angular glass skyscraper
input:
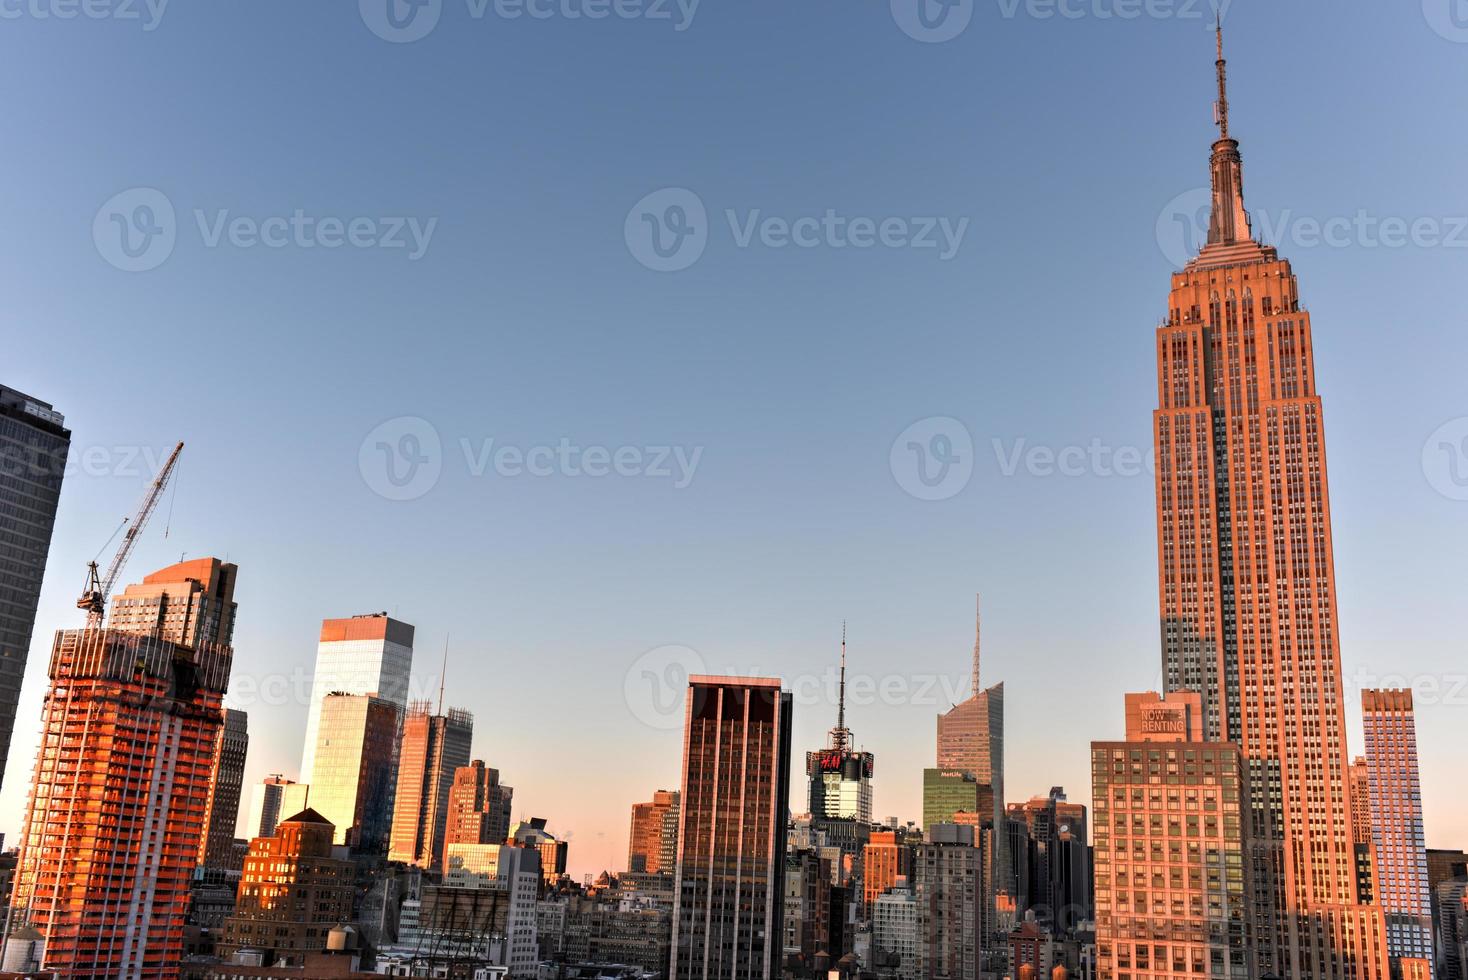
{"type": "Point", "coordinates": [370, 654]}
{"type": "Point", "coordinates": [971, 740]}
{"type": "Point", "coordinates": [1247, 576]}
{"type": "Point", "coordinates": [33, 447]}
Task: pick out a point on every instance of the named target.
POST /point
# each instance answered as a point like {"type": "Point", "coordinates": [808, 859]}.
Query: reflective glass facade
{"type": "Point", "coordinates": [33, 449]}
{"type": "Point", "coordinates": [370, 654]}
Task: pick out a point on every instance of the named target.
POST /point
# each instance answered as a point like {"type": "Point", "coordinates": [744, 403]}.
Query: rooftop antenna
{"type": "Point", "coordinates": [839, 735]}
{"type": "Point", "coordinates": [1220, 108]}
{"type": "Point", "coordinates": [978, 631]}
{"type": "Point", "coordinates": [443, 674]}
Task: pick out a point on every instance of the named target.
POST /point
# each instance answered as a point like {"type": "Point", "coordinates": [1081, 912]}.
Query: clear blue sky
{"type": "Point", "coordinates": [529, 320]}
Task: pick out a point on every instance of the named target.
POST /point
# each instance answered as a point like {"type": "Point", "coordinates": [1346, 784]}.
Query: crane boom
{"type": "Point", "coordinates": [94, 597]}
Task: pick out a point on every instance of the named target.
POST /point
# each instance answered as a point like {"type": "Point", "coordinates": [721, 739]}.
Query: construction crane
{"type": "Point", "coordinates": [98, 588]}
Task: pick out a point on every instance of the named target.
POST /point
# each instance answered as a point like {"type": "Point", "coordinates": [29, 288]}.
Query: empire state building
{"type": "Point", "coordinates": [1247, 579]}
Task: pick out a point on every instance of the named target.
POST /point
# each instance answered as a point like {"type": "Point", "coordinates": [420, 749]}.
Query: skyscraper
{"type": "Point", "coordinates": [34, 442]}
{"type": "Point", "coordinates": [273, 798]}
{"type": "Point", "coordinates": [1361, 829]}
{"type": "Point", "coordinates": [730, 886]}
{"type": "Point", "coordinates": [648, 835]}
{"type": "Point", "coordinates": [479, 806]}
{"type": "Point", "coordinates": [368, 654]}
{"type": "Point", "coordinates": [971, 740]}
{"type": "Point", "coordinates": [950, 796]}
{"type": "Point", "coordinates": [433, 748]}
{"type": "Point", "coordinates": [356, 757]}
{"type": "Point", "coordinates": [884, 860]}
{"type": "Point", "coordinates": [1171, 897]}
{"type": "Point", "coordinates": [187, 603]}
{"type": "Point", "coordinates": [117, 802]}
{"type": "Point", "coordinates": [1246, 575]}
{"type": "Point", "coordinates": [227, 778]}
{"type": "Point", "coordinates": [840, 777]}
{"type": "Point", "coordinates": [948, 882]}
{"type": "Point", "coordinates": [1397, 837]}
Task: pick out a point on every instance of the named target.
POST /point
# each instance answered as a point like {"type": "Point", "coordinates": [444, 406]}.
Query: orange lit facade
{"type": "Point", "coordinates": [1247, 580]}
{"type": "Point", "coordinates": [1398, 843]}
{"type": "Point", "coordinates": [479, 807]}
{"type": "Point", "coordinates": [883, 860]}
{"type": "Point", "coordinates": [190, 603]}
{"type": "Point", "coordinates": [654, 834]}
{"type": "Point", "coordinates": [433, 748]}
{"type": "Point", "coordinates": [293, 891]}
{"type": "Point", "coordinates": [118, 801]}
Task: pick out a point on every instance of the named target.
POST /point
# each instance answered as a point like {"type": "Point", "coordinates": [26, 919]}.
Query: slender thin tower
{"type": "Point", "coordinates": [978, 630]}
{"type": "Point", "coordinates": [840, 735]}
{"type": "Point", "coordinates": [443, 673]}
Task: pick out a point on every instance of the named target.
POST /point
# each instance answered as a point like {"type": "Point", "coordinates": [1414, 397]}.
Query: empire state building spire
{"type": "Point", "coordinates": [1229, 222]}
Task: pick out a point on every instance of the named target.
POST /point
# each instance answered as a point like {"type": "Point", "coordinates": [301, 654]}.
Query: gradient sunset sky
{"type": "Point", "coordinates": [1072, 146]}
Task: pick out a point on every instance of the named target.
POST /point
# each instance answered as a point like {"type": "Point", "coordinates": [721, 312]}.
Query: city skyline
{"type": "Point", "coordinates": [922, 626]}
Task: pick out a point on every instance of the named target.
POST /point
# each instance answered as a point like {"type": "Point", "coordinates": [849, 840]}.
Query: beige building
{"type": "Point", "coordinates": [1171, 893]}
